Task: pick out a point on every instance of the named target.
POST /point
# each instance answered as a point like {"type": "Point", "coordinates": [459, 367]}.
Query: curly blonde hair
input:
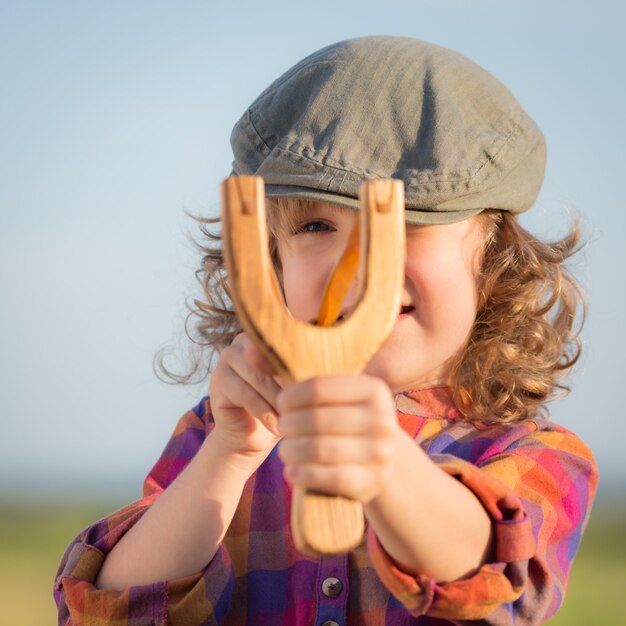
{"type": "Point", "coordinates": [524, 340]}
{"type": "Point", "coordinates": [526, 336]}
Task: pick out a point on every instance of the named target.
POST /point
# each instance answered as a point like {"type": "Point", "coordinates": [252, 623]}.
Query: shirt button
{"type": "Point", "coordinates": [331, 587]}
{"type": "Point", "coordinates": [330, 623]}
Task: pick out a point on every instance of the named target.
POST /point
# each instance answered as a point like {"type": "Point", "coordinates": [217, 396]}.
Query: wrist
{"type": "Point", "coordinates": [241, 462]}
{"type": "Point", "coordinates": [407, 459]}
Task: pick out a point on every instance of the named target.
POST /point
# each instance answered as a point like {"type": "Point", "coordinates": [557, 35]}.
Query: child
{"type": "Point", "coordinates": [474, 502]}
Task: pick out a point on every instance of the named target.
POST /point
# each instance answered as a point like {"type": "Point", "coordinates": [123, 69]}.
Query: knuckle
{"type": "Point", "coordinates": [383, 425]}
{"type": "Point", "coordinates": [222, 364]}
{"type": "Point", "coordinates": [249, 395]}
{"type": "Point", "coordinates": [240, 340]}
{"type": "Point", "coordinates": [317, 419]}
{"type": "Point", "coordinates": [381, 394]}
{"type": "Point", "coordinates": [321, 451]}
{"type": "Point", "coordinates": [217, 377]}
{"type": "Point", "coordinates": [222, 381]}
{"type": "Point", "coordinates": [381, 452]}
{"type": "Point", "coordinates": [315, 388]}
{"type": "Point", "coordinates": [228, 356]}
{"type": "Point", "coordinates": [285, 423]}
{"type": "Point", "coordinates": [309, 477]}
{"type": "Point", "coordinates": [345, 482]}
{"type": "Point", "coordinates": [246, 392]}
{"type": "Point", "coordinates": [232, 353]}
{"type": "Point", "coordinates": [257, 377]}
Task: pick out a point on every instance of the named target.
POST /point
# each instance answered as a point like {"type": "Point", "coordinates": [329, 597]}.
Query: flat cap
{"type": "Point", "coordinates": [393, 107]}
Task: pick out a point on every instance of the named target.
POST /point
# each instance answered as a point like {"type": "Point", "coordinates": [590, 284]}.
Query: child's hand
{"type": "Point", "coordinates": [243, 400]}
{"type": "Point", "coordinates": [340, 433]}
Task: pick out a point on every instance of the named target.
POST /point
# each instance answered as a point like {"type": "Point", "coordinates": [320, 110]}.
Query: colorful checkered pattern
{"type": "Point", "coordinates": [536, 480]}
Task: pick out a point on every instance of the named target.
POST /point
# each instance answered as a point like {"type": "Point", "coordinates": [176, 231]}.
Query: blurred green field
{"type": "Point", "coordinates": [33, 538]}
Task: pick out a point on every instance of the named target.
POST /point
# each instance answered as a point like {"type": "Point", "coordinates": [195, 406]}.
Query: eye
{"type": "Point", "coordinates": [314, 226]}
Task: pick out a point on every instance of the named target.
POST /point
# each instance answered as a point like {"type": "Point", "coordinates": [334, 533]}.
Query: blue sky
{"type": "Point", "coordinates": [115, 119]}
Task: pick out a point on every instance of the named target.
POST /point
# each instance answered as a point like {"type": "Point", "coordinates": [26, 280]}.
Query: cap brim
{"type": "Point", "coordinates": [412, 216]}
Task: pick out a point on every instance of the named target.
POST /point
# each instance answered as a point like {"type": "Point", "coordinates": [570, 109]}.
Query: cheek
{"type": "Point", "coordinates": [304, 281]}
{"type": "Point", "coordinates": [446, 295]}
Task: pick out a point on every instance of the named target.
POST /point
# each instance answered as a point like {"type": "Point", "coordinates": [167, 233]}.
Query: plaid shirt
{"type": "Point", "coordinates": [535, 479]}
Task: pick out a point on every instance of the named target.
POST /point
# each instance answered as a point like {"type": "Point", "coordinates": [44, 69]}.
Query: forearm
{"type": "Point", "coordinates": [427, 521]}
{"type": "Point", "coordinates": [180, 533]}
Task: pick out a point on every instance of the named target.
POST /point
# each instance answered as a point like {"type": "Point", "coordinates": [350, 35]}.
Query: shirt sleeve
{"type": "Point", "coordinates": [538, 492]}
{"type": "Point", "coordinates": [200, 598]}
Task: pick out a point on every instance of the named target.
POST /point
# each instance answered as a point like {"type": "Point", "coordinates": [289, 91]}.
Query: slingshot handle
{"type": "Point", "coordinates": [321, 524]}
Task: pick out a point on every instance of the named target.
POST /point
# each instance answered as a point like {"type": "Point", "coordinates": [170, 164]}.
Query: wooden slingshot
{"type": "Point", "coordinates": [321, 524]}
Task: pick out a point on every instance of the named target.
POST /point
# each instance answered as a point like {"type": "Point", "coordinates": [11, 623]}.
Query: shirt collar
{"type": "Point", "coordinates": [428, 402]}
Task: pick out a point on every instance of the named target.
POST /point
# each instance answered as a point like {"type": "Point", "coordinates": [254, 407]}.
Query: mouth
{"type": "Point", "coordinates": [405, 311]}
{"type": "Point", "coordinates": [314, 321]}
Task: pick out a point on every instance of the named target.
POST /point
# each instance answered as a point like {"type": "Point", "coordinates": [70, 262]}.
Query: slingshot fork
{"type": "Point", "coordinates": [321, 524]}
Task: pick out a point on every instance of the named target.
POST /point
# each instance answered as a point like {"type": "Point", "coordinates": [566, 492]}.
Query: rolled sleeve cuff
{"type": "Point", "coordinates": [186, 600]}
{"type": "Point", "coordinates": [494, 583]}
{"type": "Point", "coordinates": [200, 598]}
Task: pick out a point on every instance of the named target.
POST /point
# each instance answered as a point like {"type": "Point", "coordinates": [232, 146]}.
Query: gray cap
{"type": "Point", "coordinates": [393, 107]}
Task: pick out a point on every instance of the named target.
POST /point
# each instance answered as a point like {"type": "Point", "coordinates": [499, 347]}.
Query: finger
{"type": "Point", "coordinates": [257, 360]}
{"type": "Point", "coordinates": [262, 381]}
{"type": "Point", "coordinates": [238, 393]}
{"type": "Point", "coordinates": [332, 420]}
{"type": "Point", "coordinates": [353, 481]}
{"type": "Point", "coordinates": [335, 451]}
{"type": "Point", "coordinates": [229, 389]}
{"type": "Point", "coordinates": [333, 390]}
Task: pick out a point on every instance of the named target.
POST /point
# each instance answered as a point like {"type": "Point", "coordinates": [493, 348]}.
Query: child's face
{"type": "Point", "coordinates": [439, 300]}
